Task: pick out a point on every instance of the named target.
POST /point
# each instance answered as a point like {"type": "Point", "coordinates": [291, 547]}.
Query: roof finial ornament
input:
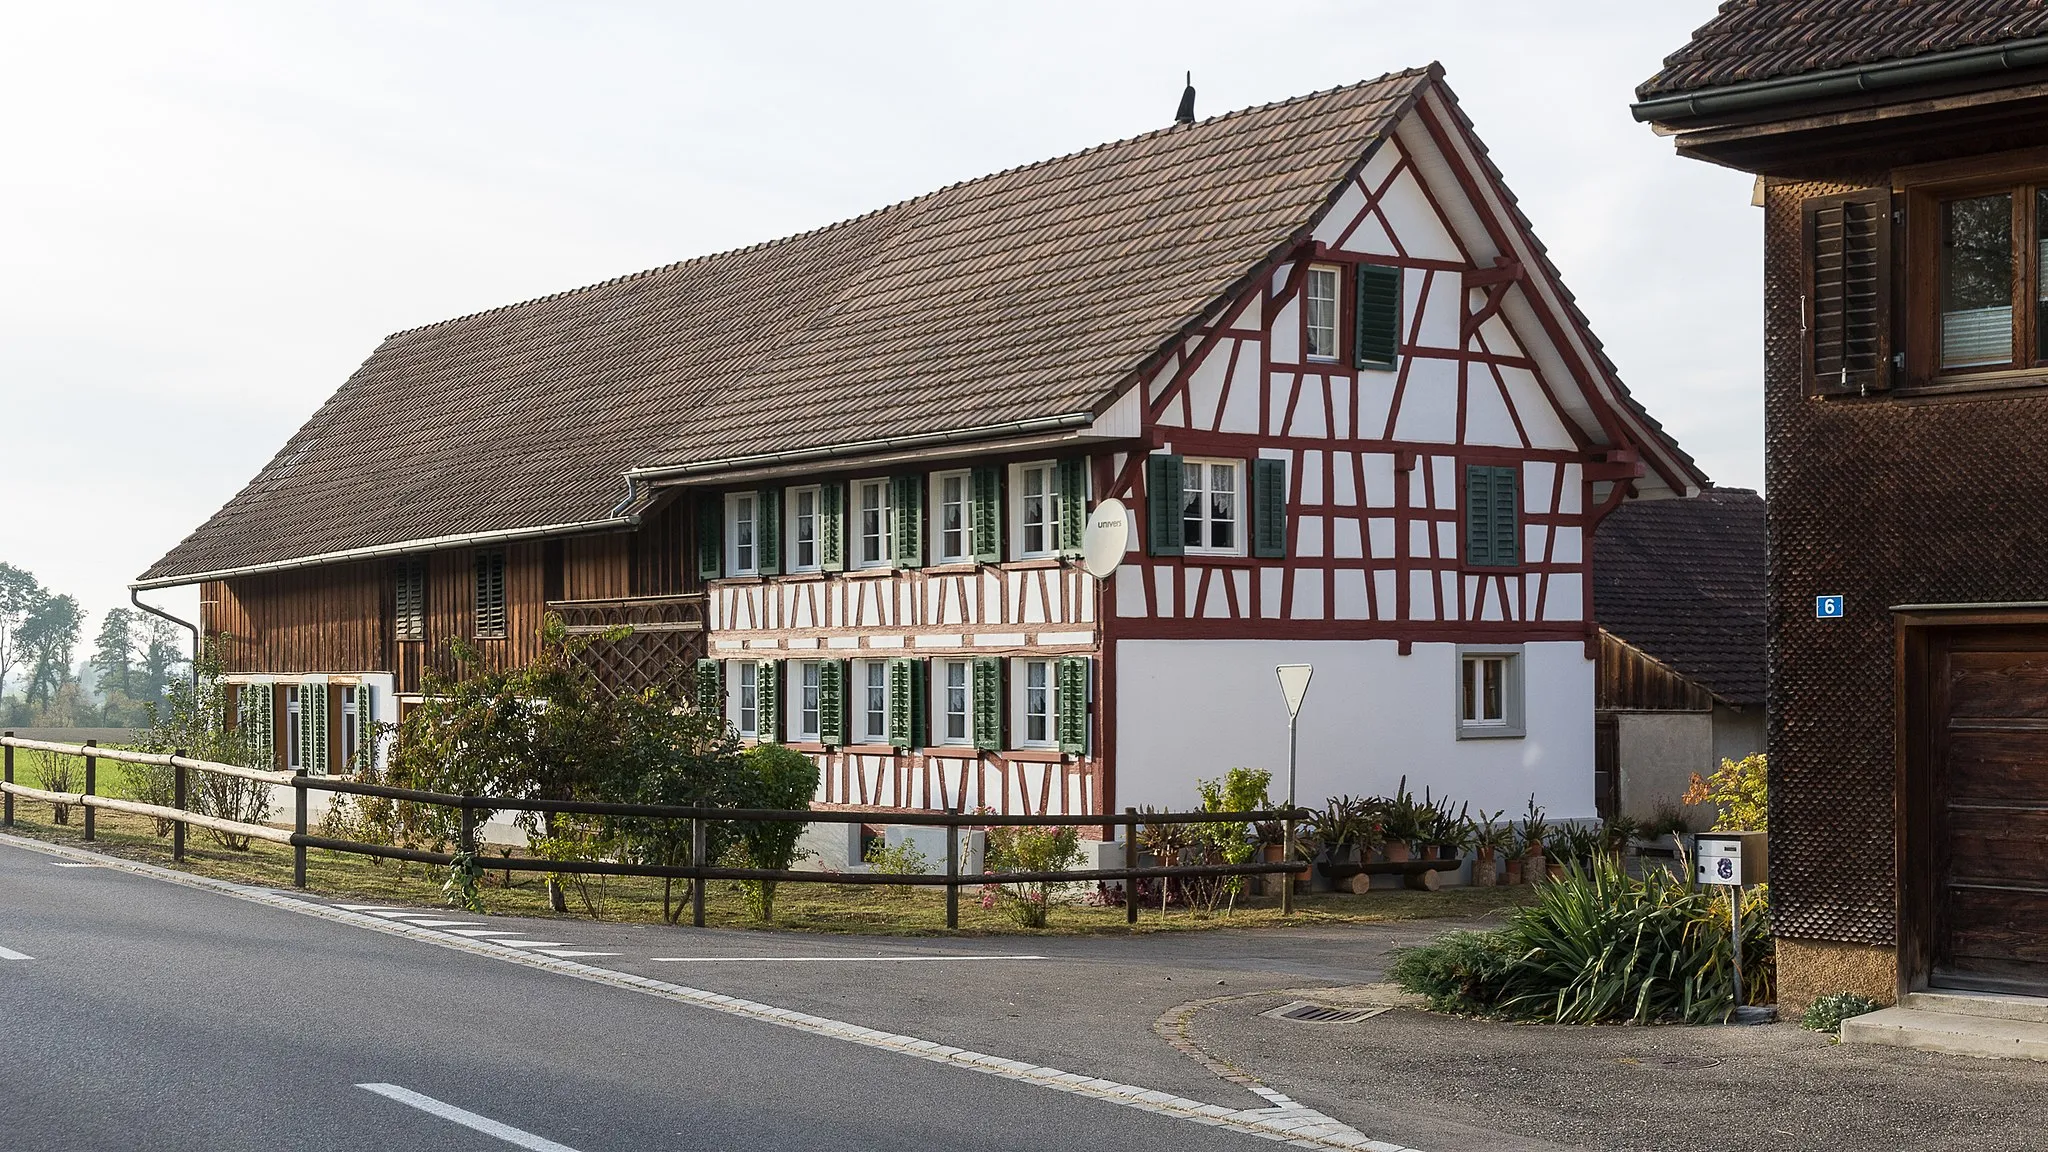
{"type": "Point", "coordinates": [1186, 115]}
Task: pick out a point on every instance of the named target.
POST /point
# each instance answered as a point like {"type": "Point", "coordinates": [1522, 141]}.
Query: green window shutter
{"type": "Point", "coordinates": [1506, 525]}
{"type": "Point", "coordinates": [1072, 704]}
{"type": "Point", "coordinates": [988, 703]}
{"type": "Point", "coordinates": [768, 531]}
{"type": "Point", "coordinates": [906, 703]}
{"type": "Point", "coordinates": [710, 536]}
{"type": "Point", "coordinates": [832, 702]}
{"type": "Point", "coordinates": [259, 735]}
{"type": "Point", "coordinates": [710, 687]}
{"type": "Point", "coordinates": [768, 701]}
{"type": "Point", "coordinates": [1269, 508]}
{"type": "Point", "coordinates": [986, 485]}
{"type": "Point", "coordinates": [832, 527]}
{"type": "Point", "coordinates": [1376, 317]}
{"type": "Point", "coordinates": [1163, 505]}
{"type": "Point", "coordinates": [906, 502]}
{"type": "Point", "coordinates": [313, 718]}
{"type": "Point", "coordinates": [1478, 514]}
{"type": "Point", "coordinates": [366, 735]}
{"type": "Point", "coordinates": [1073, 480]}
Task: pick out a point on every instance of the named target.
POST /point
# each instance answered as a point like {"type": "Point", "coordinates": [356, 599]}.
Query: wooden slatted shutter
{"type": "Point", "coordinates": [259, 737]}
{"type": "Point", "coordinates": [490, 595]}
{"type": "Point", "coordinates": [768, 701]}
{"type": "Point", "coordinates": [313, 721]}
{"type": "Point", "coordinates": [906, 504]}
{"type": "Point", "coordinates": [409, 596]}
{"type": "Point", "coordinates": [906, 703]}
{"type": "Point", "coordinates": [1848, 300]}
{"type": "Point", "coordinates": [832, 702]}
{"type": "Point", "coordinates": [1269, 508]}
{"type": "Point", "coordinates": [1478, 514]}
{"type": "Point", "coordinates": [1493, 516]}
{"type": "Point", "coordinates": [366, 730]}
{"type": "Point", "coordinates": [832, 526]}
{"type": "Point", "coordinates": [710, 687]}
{"type": "Point", "coordinates": [710, 536]}
{"type": "Point", "coordinates": [768, 531]}
{"type": "Point", "coordinates": [986, 488]}
{"type": "Point", "coordinates": [1163, 498]}
{"type": "Point", "coordinates": [1073, 482]}
{"type": "Point", "coordinates": [1376, 317]}
{"type": "Point", "coordinates": [1072, 704]}
{"type": "Point", "coordinates": [988, 703]}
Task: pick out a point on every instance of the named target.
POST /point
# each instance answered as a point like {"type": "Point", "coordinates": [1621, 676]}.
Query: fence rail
{"type": "Point", "coordinates": [697, 871]}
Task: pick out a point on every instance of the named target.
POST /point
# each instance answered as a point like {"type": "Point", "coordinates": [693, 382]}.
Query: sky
{"type": "Point", "coordinates": [211, 213]}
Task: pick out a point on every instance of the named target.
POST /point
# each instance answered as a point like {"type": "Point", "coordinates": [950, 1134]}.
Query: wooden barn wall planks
{"type": "Point", "coordinates": [324, 619]}
{"type": "Point", "coordinates": [597, 567]}
{"type": "Point", "coordinates": [662, 562]}
{"type": "Point", "coordinates": [1629, 680]}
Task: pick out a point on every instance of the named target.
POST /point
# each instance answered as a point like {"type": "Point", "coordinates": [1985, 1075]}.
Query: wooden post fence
{"type": "Point", "coordinates": [178, 801]}
{"type": "Point", "coordinates": [697, 862]}
{"type": "Point", "coordinates": [9, 816]}
{"type": "Point", "coordinates": [299, 827]}
{"type": "Point", "coordinates": [952, 871]}
{"type": "Point", "coordinates": [1130, 865]}
{"type": "Point", "coordinates": [91, 787]}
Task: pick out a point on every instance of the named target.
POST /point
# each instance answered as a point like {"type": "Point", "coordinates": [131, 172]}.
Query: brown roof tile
{"type": "Point", "coordinates": [1684, 580]}
{"type": "Point", "coordinates": [1764, 39]}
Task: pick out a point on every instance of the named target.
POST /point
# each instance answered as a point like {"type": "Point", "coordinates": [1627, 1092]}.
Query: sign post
{"type": "Point", "coordinates": [1731, 860]}
{"type": "Point", "coordinates": [1294, 680]}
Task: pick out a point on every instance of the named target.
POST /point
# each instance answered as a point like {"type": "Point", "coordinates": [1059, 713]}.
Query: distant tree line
{"type": "Point", "coordinates": [135, 660]}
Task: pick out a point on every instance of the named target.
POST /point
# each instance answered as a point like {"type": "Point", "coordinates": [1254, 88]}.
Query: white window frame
{"type": "Point", "coordinates": [1050, 510]}
{"type": "Point", "coordinates": [734, 565]}
{"type": "Point", "coordinates": [793, 548]}
{"type": "Point", "coordinates": [1318, 275]}
{"type": "Point", "coordinates": [1021, 701]}
{"type": "Point", "coordinates": [804, 677]}
{"type": "Point", "coordinates": [351, 724]}
{"type": "Point", "coordinates": [743, 690]}
{"type": "Point", "coordinates": [1239, 522]}
{"type": "Point", "coordinates": [858, 538]}
{"type": "Point", "coordinates": [1510, 724]}
{"type": "Point", "coordinates": [940, 553]}
{"type": "Point", "coordinates": [294, 728]}
{"type": "Point", "coordinates": [942, 711]}
{"type": "Point", "coordinates": [865, 677]}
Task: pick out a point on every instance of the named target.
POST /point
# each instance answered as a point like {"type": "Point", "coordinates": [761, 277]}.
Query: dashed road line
{"type": "Point", "coordinates": [11, 954]}
{"type": "Point", "coordinates": [517, 1137]}
{"type": "Point", "coordinates": [827, 959]}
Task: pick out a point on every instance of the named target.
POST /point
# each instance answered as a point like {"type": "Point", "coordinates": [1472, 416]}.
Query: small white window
{"type": "Point", "coordinates": [747, 698]}
{"type": "Point", "coordinates": [351, 726]}
{"type": "Point", "coordinates": [1212, 509]}
{"type": "Point", "coordinates": [871, 504]}
{"type": "Point", "coordinates": [871, 684]}
{"type": "Point", "coordinates": [294, 730]}
{"type": "Point", "coordinates": [1322, 313]}
{"type": "Point", "coordinates": [1037, 509]}
{"type": "Point", "coordinates": [739, 536]}
{"type": "Point", "coordinates": [956, 702]}
{"type": "Point", "coordinates": [803, 529]}
{"type": "Point", "coordinates": [952, 518]}
{"type": "Point", "coordinates": [1037, 704]}
{"type": "Point", "coordinates": [804, 708]}
{"type": "Point", "coordinates": [1489, 692]}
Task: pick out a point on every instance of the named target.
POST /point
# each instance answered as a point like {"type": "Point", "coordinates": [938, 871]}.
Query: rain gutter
{"type": "Point", "coordinates": [674, 472]}
{"type": "Point", "coordinates": [1760, 94]}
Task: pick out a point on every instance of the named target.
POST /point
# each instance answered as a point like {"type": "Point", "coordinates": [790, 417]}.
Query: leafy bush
{"type": "Point", "coordinates": [58, 773]}
{"type": "Point", "coordinates": [772, 776]}
{"type": "Point", "coordinates": [193, 719]}
{"type": "Point", "coordinates": [1827, 1013]}
{"type": "Point", "coordinates": [1459, 972]}
{"type": "Point", "coordinates": [1030, 850]}
{"type": "Point", "coordinates": [1741, 790]}
{"type": "Point", "coordinates": [897, 860]}
{"type": "Point", "coordinates": [1240, 790]}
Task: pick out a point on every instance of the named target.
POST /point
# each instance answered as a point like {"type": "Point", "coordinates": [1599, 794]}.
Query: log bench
{"type": "Point", "coordinates": [1418, 874]}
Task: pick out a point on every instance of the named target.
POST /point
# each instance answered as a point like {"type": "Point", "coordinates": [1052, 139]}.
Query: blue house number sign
{"type": "Point", "coordinates": [1827, 607]}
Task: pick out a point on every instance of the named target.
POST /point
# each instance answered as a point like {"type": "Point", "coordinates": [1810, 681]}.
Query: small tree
{"type": "Point", "coordinates": [193, 719]}
{"type": "Point", "coordinates": [1240, 790]}
{"type": "Point", "coordinates": [1741, 790]}
{"type": "Point", "coordinates": [773, 777]}
{"type": "Point", "coordinates": [1031, 850]}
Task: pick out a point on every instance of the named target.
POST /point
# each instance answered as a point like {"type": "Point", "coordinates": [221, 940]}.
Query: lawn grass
{"type": "Point", "coordinates": [827, 908]}
{"type": "Point", "coordinates": [34, 768]}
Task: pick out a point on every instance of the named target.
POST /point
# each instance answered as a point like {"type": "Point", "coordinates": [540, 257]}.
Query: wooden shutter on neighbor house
{"type": "Point", "coordinates": [1269, 508]}
{"type": "Point", "coordinates": [1848, 298]}
{"type": "Point", "coordinates": [410, 598]}
{"type": "Point", "coordinates": [1493, 516]}
{"type": "Point", "coordinates": [1073, 481]}
{"type": "Point", "coordinates": [366, 732]}
{"type": "Point", "coordinates": [768, 701]}
{"type": "Point", "coordinates": [710, 687]}
{"type": "Point", "coordinates": [1163, 498]}
{"type": "Point", "coordinates": [313, 723]}
{"type": "Point", "coordinates": [906, 703]}
{"type": "Point", "coordinates": [832, 526]}
{"type": "Point", "coordinates": [255, 705]}
{"type": "Point", "coordinates": [832, 702]}
{"type": "Point", "coordinates": [986, 487]}
{"type": "Point", "coordinates": [1072, 703]}
{"type": "Point", "coordinates": [906, 504]}
{"type": "Point", "coordinates": [988, 703]}
{"type": "Point", "coordinates": [1376, 317]}
{"type": "Point", "coordinates": [768, 531]}
{"type": "Point", "coordinates": [490, 594]}
{"type": "Point", "coordinates": [710, 536]}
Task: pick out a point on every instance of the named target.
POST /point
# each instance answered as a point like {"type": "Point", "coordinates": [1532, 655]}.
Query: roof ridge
{"type": "Point", "coordinates": [1432, 68]}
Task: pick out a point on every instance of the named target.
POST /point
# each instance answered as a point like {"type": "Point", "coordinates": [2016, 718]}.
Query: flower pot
{"type": "Point", "coordinates": [1482, 870]}
{"type": "Point", "coordinates": [1555, 872]}
{"type": "Point", "coordinates": [1397, 851]}
{"type": "Point", "coordinates": [1514, 871]}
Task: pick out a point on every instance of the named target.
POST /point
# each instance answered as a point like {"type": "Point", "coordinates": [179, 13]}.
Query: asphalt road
{"type": "Point", "coordinates": [158, 1015]}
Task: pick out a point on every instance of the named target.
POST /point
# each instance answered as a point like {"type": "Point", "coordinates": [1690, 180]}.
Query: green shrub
{"type": "Point", "coordinates": [1827, 1013]}
{"type": "Point", "coordinates": [1741, 790]}
{"type": "Point", "coordinates": [777, 777]}
{"type": "Point", "coordinates": [1030, 850]}
{"type": "Point", "coordinates": [1461, 972]}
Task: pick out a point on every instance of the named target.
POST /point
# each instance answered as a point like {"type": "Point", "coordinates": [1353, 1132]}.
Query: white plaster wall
{"type": "Point", "coordinates": [1189, 709]}
{"type": "Point", "coordinates": [1658, 752]}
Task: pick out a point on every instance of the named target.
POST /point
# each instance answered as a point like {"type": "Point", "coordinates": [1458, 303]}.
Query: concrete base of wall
{"type": "Point", "coordinates": [1809, 969]}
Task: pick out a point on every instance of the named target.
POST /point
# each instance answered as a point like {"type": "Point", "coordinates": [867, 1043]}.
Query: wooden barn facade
{"type": "Point", "coordinates": [838, 482]}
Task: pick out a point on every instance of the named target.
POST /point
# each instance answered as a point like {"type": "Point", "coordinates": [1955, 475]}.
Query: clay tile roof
{"type": "Point", "coordinates": [1763, 39]}
{"type": "Point", "coordinates": [1027, 294]}
{"type": "Point", "coordinates": [1683, 580]}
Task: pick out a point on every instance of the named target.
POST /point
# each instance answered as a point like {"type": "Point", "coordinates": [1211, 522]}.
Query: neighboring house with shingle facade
{"type": "Point", "coordinates": [840, 480]}
{"type": "Point", "coordinates": [1679, 592]}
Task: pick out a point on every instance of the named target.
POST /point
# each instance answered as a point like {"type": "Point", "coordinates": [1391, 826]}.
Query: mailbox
{"type": "Point", "coordinates": [1731, 858]}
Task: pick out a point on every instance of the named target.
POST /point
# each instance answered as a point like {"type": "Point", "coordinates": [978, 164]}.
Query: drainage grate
{"type": "Point", "coordinates": [1308, 1013]}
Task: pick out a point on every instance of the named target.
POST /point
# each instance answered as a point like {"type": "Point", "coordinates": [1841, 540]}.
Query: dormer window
{"type": "Point", "coordinates": [1321, 340]}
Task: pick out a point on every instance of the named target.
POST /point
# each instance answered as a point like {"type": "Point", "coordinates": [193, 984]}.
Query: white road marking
{"type": "Point", "coordinates": [532, 943]}
{"type": "Point", "coordinates": [568, 952]}
{"type": "Point", "coordinates": [368, 908]}
{"type": "Point", "coordinates": [479, 932]}
{"type": "Point", "coordinates": [484, 1124]}
{"type": "Point", "coordinates": [818, 959]}
{"type": "Point", "coordinates": [11, 954]}
{"type": "Point", "coordinates": [68, 864]}
{"type": "Point", "coordinates": [447, 923]}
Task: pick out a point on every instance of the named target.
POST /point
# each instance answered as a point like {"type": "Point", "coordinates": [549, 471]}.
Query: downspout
{"type": "Point", "coordinates": [135, 598]}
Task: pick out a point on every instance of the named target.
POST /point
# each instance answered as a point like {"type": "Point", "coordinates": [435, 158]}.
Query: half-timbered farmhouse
{"type": "Point", "coordinates": [1902, 158]}
{"type": "Point", "coordinates": [840, 481]}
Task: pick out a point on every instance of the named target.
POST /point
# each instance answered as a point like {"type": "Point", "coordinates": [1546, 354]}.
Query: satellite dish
{"type": "Point", "coordinates": [1107, 539]}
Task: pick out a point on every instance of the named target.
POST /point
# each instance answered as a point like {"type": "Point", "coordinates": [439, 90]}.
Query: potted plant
{"type": "Point", "coordinates": [1271, 837]}
{"type": "Point", "coordinates": [1618, 835]}
{"type": "Point", "coordinates": [1490, 838]}
{"type": "Point", "coordinates": [1341, 830]}
{"type": "Point", "coordinates": [1518, 851]}
{"type": "Point", "coordinates": [1451, 833]}
{"type": "Point", "coordinates": [1403, 823]}
{"type": "Point", "coordinates": [1534, 831]}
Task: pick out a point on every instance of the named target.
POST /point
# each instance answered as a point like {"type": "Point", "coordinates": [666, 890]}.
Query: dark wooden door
{"type": "Point", "coordinates": [1990, 714]}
